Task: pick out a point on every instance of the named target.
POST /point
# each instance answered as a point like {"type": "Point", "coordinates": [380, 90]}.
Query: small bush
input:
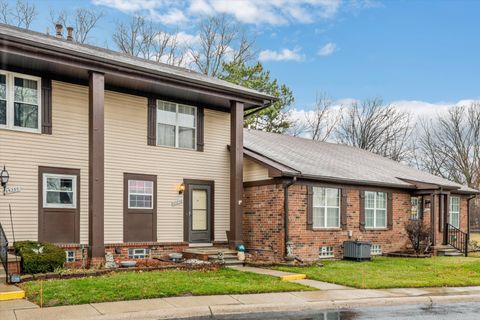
{"type": "Point", "coordinates": [39, 257]}
{"type": "Point", "coordinates": [419, 235]}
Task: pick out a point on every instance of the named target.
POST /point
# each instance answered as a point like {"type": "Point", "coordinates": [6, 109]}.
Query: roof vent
{"type": "Point", "coordinates": [69, 33]}
{"type": "Point", "coordinates": [59, 30]}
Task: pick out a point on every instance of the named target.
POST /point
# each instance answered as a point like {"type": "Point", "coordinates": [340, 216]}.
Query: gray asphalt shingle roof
{"type": "Point", "coordinates": [106, 55]}
{"type": "Point", "coordinates": [330, 161]}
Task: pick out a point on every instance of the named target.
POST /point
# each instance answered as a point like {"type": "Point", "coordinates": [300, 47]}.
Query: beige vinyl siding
{"type": "Point", "coordinates": [126, 150]}
{"type": "Point", "coordinates": [22, 153]}
{"type": "Point", "coordinates": [253, 171]}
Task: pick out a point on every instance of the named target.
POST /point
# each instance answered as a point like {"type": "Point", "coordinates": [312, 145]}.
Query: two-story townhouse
{"type": "Point", "coordinates": [118, 154]}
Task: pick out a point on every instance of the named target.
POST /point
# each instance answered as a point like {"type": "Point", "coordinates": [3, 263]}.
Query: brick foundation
{"type": "Point", "coordinates": [120, 252]}
{"type": "Point", "coordinates": [264, 224]}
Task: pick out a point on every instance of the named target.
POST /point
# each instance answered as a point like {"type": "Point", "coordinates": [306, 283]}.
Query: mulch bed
{"type": "Point", "coordinates": [142, 267]}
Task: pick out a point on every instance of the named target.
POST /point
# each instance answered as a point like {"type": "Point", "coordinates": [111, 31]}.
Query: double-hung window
{"type": "Point", "coordinates": [20, 107]}
{"type": "Point", "coordinates": [140, 194]}
{"type": "Point", "coordinates": [326, 207]}
{"type": "Point", "coordinates": [176, 125]}
{"type": "Point", "coordinates": [455, 212]}
{"type": "Point", "coordinates": [60, 191]}
{"type": "Point", "coordinates": [375, 209]}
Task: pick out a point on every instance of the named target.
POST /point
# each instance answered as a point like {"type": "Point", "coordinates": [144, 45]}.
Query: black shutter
{"type": "Point", "coordinates": [343, 208]}
{"type": "Point", "coordinates": [309, 207]}
{"type": "Point", "coordinates": [46, 105]}
{"type": "Point", "coordinates": [389, 210]}
{"type": "Point", "coordinates": [152, 122]}
{"type": "Point", "coordinates": [200, 129]}
{"type": "Point", "coordinates": [362, 210]}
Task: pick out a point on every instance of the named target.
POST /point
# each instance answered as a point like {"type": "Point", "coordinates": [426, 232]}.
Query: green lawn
{"type": "Point", "coordinates": [385, 272]}
{"type": "Point", "coordinates": [154, 284]}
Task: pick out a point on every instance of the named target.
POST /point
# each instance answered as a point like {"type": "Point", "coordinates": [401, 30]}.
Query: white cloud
{"type": "Point", "coordinates": [129, 5]}
{"type": "Point", "coordinates": [272, 12]}
{"type": "Point", "coordinates": [282, 55]}
{"type": "Point", "coordinates": [327, 49]}
{"type": "Point", "coordinates": [172, 17]}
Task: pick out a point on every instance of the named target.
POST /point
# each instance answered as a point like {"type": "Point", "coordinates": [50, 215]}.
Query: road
{"type": "Point", "coordinates": [464, 311]}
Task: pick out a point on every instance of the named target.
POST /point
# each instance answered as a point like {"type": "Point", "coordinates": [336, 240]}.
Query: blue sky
{"type": "Point", "coordinates": [415, 53]}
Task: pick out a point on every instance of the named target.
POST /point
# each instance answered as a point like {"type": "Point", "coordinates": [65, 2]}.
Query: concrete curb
{"type": "Point", "coordinates": [229, 310]}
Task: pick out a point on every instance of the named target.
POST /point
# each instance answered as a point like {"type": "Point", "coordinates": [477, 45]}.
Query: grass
{"type": "Point", "coordinates": [154, 284]}
{"type": "Point", "coordinates": [475, 236]}
{"type": "Point", "coordinates": [385, 272]}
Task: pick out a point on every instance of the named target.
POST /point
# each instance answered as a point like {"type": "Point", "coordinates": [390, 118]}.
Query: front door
{"type": "Point", "coordinates": [199, 211]}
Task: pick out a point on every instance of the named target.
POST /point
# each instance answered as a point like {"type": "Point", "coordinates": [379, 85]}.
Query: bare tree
{"type": "Point", "coordinates": [141, 38]}
{"type": "Point", "coordinates": [83, 21]}
{"type": "Point", "coordinates": [322, 121]}
{"type": "Point", "coordinates": [377, 128]}
{"type": "Point", "coordinates": [4, 12]}
{"type": "Point", "coordinates": [22, 15]}
{"type": "Point", "coordinates": [220, 42]}
{"type": "Point", "coordinates": [449, 146]}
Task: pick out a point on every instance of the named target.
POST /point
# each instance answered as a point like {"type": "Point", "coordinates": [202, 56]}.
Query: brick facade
{"type": "Point", "coordinates": [264, 223]}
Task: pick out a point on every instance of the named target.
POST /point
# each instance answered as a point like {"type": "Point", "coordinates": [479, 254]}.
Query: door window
{"type": "Point", "coordinates": [199, 210]}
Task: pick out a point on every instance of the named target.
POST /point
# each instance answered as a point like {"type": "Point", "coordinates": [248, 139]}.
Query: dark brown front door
{"type": "Point", "coordinates": [140, 208]}
{"type": "Point", "coordinates": [199, 211]}
{"type": "Point", "coordinates": [59, 205]}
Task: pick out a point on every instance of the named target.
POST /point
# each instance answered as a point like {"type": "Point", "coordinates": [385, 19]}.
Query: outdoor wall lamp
{"type": "Point", "coordinates": [4, 177]}
{"type": "Point", "coordinates": [181, 188]}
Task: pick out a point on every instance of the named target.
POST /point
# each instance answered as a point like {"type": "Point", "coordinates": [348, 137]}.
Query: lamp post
{"type": "Point", "coordinates": [4, 177]}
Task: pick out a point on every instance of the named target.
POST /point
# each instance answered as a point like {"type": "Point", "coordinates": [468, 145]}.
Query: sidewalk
{"type": "Point", "coordinates": [329, 296]}
{"type": "Point", "coordinates": [211, 306]}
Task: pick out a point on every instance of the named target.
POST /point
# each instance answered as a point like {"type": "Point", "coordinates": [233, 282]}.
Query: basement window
{"type": "Point", "coordinates": [326, 252]}
{"type": "Point", "coordinates": [138, 253]}
{"type": "Point", "coordinates": [376, 250]}
{"type": "Point", "coordinates": [70, 256]}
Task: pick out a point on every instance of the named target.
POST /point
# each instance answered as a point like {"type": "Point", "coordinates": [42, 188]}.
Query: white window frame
{"type": "Point", "coordinates": [326, 207]}
{"type": "Point", "coordinates": [177, 136]}
{"type": "Point", "coordinates": [376, 250]}
{"type": "Point", "coordinates": [10, 96]}
{"type": "Point", "coordinates": [60, 205]}
{"type": "Point", "coordinates": [67, 256]}
{"type": "Point", "coordinates": [135, 253]}
{"type": "Point", "coordinates": [375, 209]}
{"type": "Point", "coordinates": [451, 212]}
{"type": "Point", "coordinates": [140, 194]}
{"type": "Point", "coordinates": [326, 252]}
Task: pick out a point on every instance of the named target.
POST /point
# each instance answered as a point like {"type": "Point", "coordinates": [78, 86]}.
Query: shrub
{"type": "Point", "coordinates": [39, 257]}
{"type": "Point", "coordinates": [419, 235]}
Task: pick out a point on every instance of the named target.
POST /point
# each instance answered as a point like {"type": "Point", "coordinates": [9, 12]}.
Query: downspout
{"type": "Point", "coordinates": [288, 252]}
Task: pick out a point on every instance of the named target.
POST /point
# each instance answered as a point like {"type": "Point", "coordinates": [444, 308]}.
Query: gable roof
{"type": "Point", "coordinates": [10, 35]}
{"type": "Point", "coordinates": [325, 161]}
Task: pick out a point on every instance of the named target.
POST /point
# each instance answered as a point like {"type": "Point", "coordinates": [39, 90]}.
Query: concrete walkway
{"type": "Point", "coordinates": [221, 305]}
{"type": "Point", "coordinates": [291, 277]}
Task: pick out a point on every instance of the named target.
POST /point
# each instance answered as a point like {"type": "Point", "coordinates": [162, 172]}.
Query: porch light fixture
{"type": "Point", "coordinates": [4, 177]}
{"type": "Point", "coordinates": [181, 188]}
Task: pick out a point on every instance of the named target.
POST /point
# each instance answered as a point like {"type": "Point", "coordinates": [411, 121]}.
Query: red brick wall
{"type": "Point", "coordinates": [463, 217]}
{"type": "Point", "coordinates": [263, 223]}
{"type": "Point", "coordinates": [263, 231]}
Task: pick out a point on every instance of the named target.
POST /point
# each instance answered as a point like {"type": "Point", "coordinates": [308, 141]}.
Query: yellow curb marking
{"type": "Point", "coordinates": [291, 277]}
{"type": "Point", "coordinates": [13, 295]}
